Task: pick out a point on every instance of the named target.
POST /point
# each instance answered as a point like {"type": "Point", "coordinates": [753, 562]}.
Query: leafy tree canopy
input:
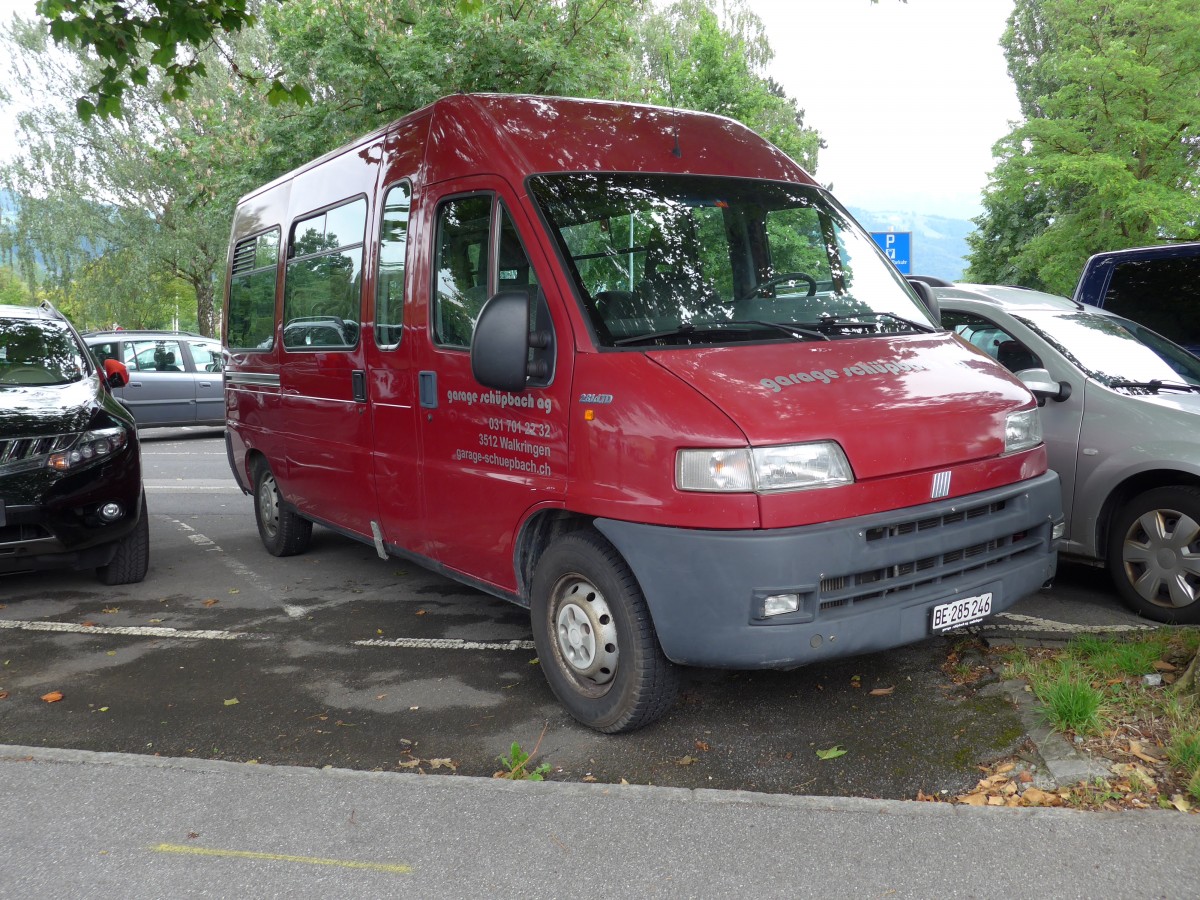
{"type": "Point", "coordinates": [1108, 155]}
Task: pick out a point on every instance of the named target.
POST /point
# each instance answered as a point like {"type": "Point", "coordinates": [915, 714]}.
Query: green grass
{"type": "Point", "coordinates": [1184, 750]}
{"type": "Point", "coordinates": [1108, 658]}
{"type": "Point", "coordinates": [1070, 703]}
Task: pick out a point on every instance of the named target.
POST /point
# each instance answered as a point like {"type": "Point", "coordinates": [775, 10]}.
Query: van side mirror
{"type": "Point", "coordinates": [925, 293]}
{"type": "Point", "coordinates": [1042, 386]}
{"type": "Point", "coordinates": [500, 345]}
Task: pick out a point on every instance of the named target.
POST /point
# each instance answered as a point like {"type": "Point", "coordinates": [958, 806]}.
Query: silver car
{"type": "Point", "coordinates": [175, 378]}
{"type": "Point", "coordinates": [1121, 417]}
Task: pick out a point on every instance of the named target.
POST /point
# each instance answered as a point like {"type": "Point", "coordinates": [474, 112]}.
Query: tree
{"type": "Point", "coordinates": [1108, 155]}
{"type": "Point", "coordinates": [699, 55]}
{"type": "Point", "coordinates": [135, 38]}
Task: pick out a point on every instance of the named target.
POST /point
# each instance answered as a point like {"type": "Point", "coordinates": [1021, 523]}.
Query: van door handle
{"type": "Point", "coordinates": [427, 386]}
{"type": "Point", "coordinates": [358, 379]}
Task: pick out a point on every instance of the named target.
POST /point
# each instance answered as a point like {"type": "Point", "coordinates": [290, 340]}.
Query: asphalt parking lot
{"type": "Point", "coordinates": [337, 658]}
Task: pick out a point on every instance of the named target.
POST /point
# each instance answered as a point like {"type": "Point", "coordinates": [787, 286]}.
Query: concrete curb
{"type": "Point", "coordinates": [598, 792]}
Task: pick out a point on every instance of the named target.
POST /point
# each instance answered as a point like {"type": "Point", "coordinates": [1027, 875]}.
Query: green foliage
{"type": "Point", "coordinates": [13, 291]}
{"type": "Point", "coordinates": [516, 766]}
{"type": "Point", "coordinates": [1070, 703]}
{"type": "Point", "coordinates": [1108, 152]}
{"type": "Point", "coordinates": [1184, 750]}
{"type": "Point", "coordinates": [131, 39]}
{"type": "Point", "coordinates": [1109, 658]}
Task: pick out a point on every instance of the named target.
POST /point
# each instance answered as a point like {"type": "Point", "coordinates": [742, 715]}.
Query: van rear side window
{"type": "Point", "coordinates": [322, 290]}
{"type": "Point", "coordinates": [252, 292]}
{"type": "Point", "coordinates": [389, 281]}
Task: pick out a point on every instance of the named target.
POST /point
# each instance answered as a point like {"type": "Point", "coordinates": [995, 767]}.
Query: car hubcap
{"type": "Point", "coordinates": [585, 631]}
{"type": "Point", "coordinates": [1162, 558]}
{"type": "Point", "coordinates": [268, 505]}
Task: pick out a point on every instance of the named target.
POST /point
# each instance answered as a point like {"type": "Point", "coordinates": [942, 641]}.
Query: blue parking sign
{"type": "Point", "coordinates": [898, 247]}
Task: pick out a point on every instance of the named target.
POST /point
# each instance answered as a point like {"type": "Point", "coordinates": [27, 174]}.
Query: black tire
{"type": "Point", "coordinates": [595, 638]}
{"type": "Point", "coordinates": [283, 532]}
{"type": "Point", "coordinates": [1154, 554]}
{"type": "Point", "coordinates": [132, 559]}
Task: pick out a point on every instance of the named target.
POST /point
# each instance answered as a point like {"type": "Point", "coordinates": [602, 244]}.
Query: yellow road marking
{"type": "Point", "coordinates": [282, 857]}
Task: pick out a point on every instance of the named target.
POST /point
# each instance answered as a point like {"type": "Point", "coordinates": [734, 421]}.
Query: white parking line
{"type": "Point", "coordinates": [129, 630]}
{"type": "Point", "coordinates": [1019, 622]}
{"type": "Point", "coordinates": [445, 644]}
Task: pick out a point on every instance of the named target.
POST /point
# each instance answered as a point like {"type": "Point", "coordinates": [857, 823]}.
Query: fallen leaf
{"type": "Point", "coordinates": [419, 612]}
{"type": "Point", "coordinates": [1168, 678]}
{"type": "Point", "coordinates": [111, 609]}
{"type": "Point", "coordinates": [882, 692]}
{"type": "Point", "coordinates": [1161, 665]}
{"type": "Point", "coordinates": [211, 601]}
{"type": "Point", "coordinates": [686, 761]}
{"type": "Point", "coordinates": [972, 799]}
{"type": "Point", "coordinates": [52, 697]}
{"type": "Point", "coordinates": [831, 753]}
{"type": "Point", "coordinates": [1005, 768]}
{"type": "Point", "coordinates": [1025, 778]}
{"type": "Point", "coordinates": [89, 624]}
{"type": "Point", "coordinates": [3, 695]}
{"type": "Point", "coordinates": [995, 801]}
{"type": "Point", "coordinates": [623, 781]}
{"type": "Point", "coordinates": [1037, 797]}
{"type": "Point", "coordinates": [1136, 749]}
{"type": "Point", "coordinates": [408, 763]}
{"type": "Point", "coordinates": [1180, 802]}
{"type": "Point", "coordinates": [231, 702]}
{"type": "Point", "coordinates": [442, 763]}
{"type": "Point", "coordinates": [234, 591]}
{"type": "Point", "coordinates": [590, 779]}
{"type": "Point", "coordinates": [702, 745]}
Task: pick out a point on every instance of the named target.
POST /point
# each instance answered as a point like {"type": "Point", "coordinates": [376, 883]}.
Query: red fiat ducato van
{"type": "Point", "coordinates": [634, 369]}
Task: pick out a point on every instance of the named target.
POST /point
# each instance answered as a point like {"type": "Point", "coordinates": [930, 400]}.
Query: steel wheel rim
{"type": "Point", "coordinates": [1161, 557]}
{"type": "Point", "coordinates": [268, 505]}
{"type": "Point", "coordinates": [585, 633]}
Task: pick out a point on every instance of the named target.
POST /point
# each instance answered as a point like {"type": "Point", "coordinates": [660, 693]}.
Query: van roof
{"type": "Point", "coordinates": [471, 132]}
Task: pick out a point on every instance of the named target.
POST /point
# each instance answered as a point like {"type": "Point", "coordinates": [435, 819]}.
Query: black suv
{"type": "Point", "coordinates": [70, 466]}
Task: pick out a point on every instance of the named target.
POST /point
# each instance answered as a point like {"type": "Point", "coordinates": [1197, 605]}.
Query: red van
{"type": "Point", "coordinates": [634, 369]}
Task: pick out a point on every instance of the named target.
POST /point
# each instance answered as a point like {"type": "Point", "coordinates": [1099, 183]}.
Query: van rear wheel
{"type": "Point", "coordinates": [1154, 554]}
{"type": "Point", "coordinates": [283, 532]}
{"type": "Point", "coordinates": [595, 638]}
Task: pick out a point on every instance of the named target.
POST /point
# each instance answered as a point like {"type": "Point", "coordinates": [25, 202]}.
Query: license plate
{"type": "Point", "coordinates": [961, 612]}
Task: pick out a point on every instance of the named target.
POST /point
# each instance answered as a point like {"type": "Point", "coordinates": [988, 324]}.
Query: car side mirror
{"type": "Point", "coordinates": [1042, 386]}
{"type": "Point", "coordinates": [116, 373]}
{"type": "Point", "coordinates": [925, 293]}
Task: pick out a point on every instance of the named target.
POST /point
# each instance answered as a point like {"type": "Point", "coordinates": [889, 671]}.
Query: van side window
{"type": "Point", "coordinates": [461, 287]}
{"type": "Point", "coordinates": [389, 280]}
{"type": "Point", "coordinates": [252, 292]}
{"type": "Point", "coordinates": [323, 284]}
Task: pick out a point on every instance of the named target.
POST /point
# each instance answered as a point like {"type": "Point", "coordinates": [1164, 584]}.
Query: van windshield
{"type": "Point", "coordinates": [668, 260]}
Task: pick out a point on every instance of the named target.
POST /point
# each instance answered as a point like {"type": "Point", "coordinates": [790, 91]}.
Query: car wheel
{"type": "Point", "coordinates": [132, 559]}
{"type": "Point", "coordinates": [595, 638]}
{"type": "Point", "coordinates": [1154, 554]}
{"type": "Point", "coordinates": [283, 532]}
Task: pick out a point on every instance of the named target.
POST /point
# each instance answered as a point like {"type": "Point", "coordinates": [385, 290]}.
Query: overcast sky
{"type": "Point", "coordinates": [909, 96]}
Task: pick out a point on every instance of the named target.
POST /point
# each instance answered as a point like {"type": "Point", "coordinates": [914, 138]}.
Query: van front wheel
{"type": "Point", "coordinates": [595, 638]}
{"type": "Point", "coordinates": [283, 532]}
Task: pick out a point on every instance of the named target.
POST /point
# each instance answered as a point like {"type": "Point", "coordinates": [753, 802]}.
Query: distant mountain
{"type": "Point", "coordinates": [939, 244]}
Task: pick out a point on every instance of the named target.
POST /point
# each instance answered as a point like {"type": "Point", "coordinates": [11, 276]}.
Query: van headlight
{"type": "Point", "coordinates": [92, 446]}
{"type": "Point", "coordinates": [1022, 430]}
{"type": "Point", "coordinates": [790, 467]}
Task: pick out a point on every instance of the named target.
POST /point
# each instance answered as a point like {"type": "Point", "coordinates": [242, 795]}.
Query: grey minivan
{"type": "Point", "coordinates": [1121, 419]}
{"type": "Point", "coordinates": [175, 378]}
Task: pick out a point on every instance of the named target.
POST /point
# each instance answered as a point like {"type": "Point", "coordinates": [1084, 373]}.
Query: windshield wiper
{"type": "Point", "coordinates": [1154, 385]}
{"type": "Point", "coordinates": [841, 321]}
{"type": "Point", "coordinates": [689, 329]}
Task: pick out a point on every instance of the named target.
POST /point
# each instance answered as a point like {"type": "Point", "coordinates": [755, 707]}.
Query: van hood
{"type": "Point", "coordinates": [895, 405]}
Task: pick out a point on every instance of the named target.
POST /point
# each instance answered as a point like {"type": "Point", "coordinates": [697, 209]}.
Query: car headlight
{"type": "Point", "coordinates": [92, 446]}
{"type": "Point", "coordinates": [790, 467]}
{"type": "Point", "coordinates": [1022, 430]}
